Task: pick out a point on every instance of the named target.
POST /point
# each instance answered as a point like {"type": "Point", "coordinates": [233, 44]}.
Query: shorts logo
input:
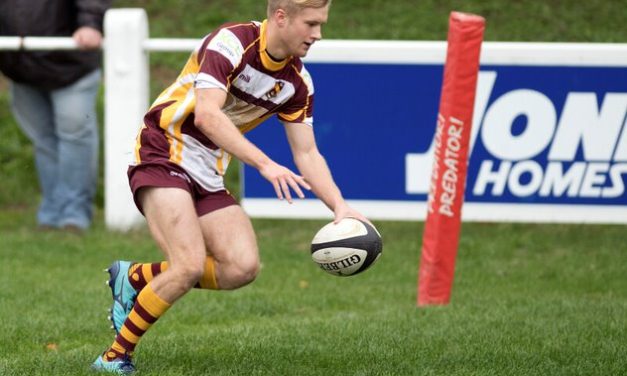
{"type": "Point", "coordinates": [180, 175]}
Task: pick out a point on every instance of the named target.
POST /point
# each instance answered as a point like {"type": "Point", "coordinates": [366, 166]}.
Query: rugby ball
{"type": "Point", "coordinates": [346, 248]}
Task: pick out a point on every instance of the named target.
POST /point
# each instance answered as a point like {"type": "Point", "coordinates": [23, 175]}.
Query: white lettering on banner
{"type": "Point", "coordinates": [593, 179]}
{"type": "Point", "coordinates": [451, 165]}
{"type": "Point", "coordinates": [525, 178]}
{"type": "Point", "coordinates": [486, 176]}
{"type": "Point", "coordinates": [435, 170]}
{"type": "Point", "coordinates": [583, 123]}
{"type": "Point", "coordinates": [590, 127]}
{"type": "Point", "coordinates": [616, 176]}
{"type": "Point", "coordinates": [556, 182]}
{"type": "Point", "coordinates": [496, 132]}
{"type": "Point", "coordinates": [451, 161]}
{"type": "Point", "coordinates": [621, 148]}
{"type": "Point", "coordinates": [516, 186]}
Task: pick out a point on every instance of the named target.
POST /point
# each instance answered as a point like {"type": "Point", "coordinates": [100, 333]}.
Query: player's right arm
{"type": "Point", "coordinates": [214, 124]}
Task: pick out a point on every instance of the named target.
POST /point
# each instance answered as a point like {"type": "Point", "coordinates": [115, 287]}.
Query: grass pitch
{"type": "Point", "coordinates": [527, 300]}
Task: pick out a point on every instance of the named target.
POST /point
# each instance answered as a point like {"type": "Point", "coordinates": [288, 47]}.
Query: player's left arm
{"type": "Point", "coordinates": [313, 167]}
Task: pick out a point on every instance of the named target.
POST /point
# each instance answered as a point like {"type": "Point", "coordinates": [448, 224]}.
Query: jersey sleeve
{"type": "Point", "coordinates": [299, 109]}
{"type": "Point", "coordinates": [219, 56]}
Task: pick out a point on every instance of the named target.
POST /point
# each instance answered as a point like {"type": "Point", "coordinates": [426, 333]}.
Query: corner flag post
{"type": "Point", "coordinates": [448, 177]}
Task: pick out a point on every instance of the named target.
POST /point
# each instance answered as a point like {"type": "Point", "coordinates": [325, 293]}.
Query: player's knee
{"type": "Point", "coordinates": [195, 273]}
{"type": "Point", "coordinates": [243, 272]}
{"type": "Point", "coordinates": [187, 274]}
{"type": "Point", "coordinates": [249, 270]}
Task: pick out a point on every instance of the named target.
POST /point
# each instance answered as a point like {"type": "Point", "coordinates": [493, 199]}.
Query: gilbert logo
{"type": "Point", "coordinates": [244, 77]}
{"type": "Point", "coordinates": [343, 263]}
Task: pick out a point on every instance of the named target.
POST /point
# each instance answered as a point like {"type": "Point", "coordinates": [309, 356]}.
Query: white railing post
{"type": "Point", "coordinates": [126, 71]}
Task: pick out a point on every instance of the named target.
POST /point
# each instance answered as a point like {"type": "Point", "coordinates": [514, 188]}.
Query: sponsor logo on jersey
{"type": "Point", "coordinates": [272, 93]}
{"type": "Point", "coordinates": [228, 45]}
{"type": "Point", "coordinates": [261, 85]}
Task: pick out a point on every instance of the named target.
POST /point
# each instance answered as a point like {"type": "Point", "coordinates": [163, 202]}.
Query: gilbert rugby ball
{"type": "Point", "coordinates": [346, 248]}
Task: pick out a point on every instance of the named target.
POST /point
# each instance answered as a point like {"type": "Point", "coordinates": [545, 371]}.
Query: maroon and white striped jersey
{"type": "Point", "coordinates": [232, 58]}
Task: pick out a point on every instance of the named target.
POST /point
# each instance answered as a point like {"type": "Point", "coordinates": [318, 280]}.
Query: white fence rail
{"type": "Point", "coordinates": [37, 43]}
{"type": "Point", "coordinates": [126, 80]}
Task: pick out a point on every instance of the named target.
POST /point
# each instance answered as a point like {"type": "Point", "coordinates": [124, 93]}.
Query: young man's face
{"type": "Point", "coordinates": [303, 29]}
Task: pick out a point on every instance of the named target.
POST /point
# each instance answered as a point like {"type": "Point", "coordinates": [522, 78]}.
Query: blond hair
{"type": "Point", "coordinates": [294, 6]}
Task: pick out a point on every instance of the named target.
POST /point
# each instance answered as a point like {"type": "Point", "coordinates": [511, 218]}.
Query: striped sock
{"type": "Point", "coordinates": [146, 311]}
{"type": "Point", "coordinates": [139, 275]}
{"type": "Point", "coordinates": [208, 279]}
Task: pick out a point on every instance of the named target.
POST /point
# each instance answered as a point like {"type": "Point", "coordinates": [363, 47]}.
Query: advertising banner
{"type": "Point", "coordinates": [548, 143]}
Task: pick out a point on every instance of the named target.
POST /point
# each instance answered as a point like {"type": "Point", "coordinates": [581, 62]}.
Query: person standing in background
{"type": "Point", "coordinates": [53, 99]}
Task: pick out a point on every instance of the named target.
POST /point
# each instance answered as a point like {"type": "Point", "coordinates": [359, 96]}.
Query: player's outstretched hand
{"type": "Point", "coordinates": [344, 211]}
{"type": "Point", "coordinates": [282, 179]}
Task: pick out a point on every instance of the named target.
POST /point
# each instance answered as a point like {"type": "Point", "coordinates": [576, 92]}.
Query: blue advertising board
{"type": "Point", "coordinates": [549, 141]}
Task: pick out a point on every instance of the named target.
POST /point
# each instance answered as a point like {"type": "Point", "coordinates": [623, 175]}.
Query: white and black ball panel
{"type": "Point", "coordinates": [345, 229]}
{"type": "Point", "coordinates": [346, 248]}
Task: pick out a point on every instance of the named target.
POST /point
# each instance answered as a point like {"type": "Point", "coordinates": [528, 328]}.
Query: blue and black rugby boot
{"type": "Point", "coordinates": [123, 293]}
{"type": "Point", "coordinates": [118, 366]}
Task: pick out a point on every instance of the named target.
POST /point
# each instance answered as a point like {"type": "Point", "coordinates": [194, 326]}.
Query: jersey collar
{"type": "Point", "coordinates": [266, 60]}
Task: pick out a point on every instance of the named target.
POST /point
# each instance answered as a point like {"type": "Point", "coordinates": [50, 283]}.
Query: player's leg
{"type": "Point", "coordinates": [172, 220]}
{"type": "Point", "coordinates": [140, 274]}
{"type": "Point", "coordinates": [232, 248]}
{"type": "Point", "coordinates": [232, 255]}
{"type": "Point", "coordinates": [137, 275]}
{"type": "Point", "coordinates": [171, 214]}
{"type": "Point", "coordinates": [127, 278]}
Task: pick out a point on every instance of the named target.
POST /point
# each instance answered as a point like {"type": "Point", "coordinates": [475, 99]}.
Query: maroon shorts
{"type": "Point", "coordinates": [170, 175]}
